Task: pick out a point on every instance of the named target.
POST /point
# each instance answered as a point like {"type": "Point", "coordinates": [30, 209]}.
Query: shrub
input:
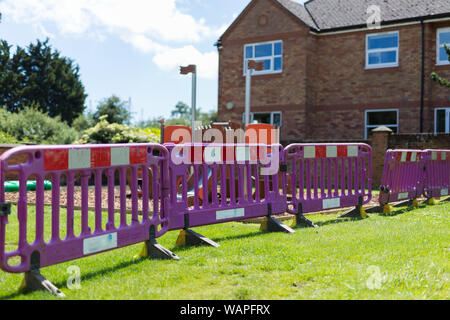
{"type": "Point", "coordinates": [105, 132]}
{"type": "Point", "coordinates": [5, 138]}
{"type": "Point", "coordinates": [33, 126]}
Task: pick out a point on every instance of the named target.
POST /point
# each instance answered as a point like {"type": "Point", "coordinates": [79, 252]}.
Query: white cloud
{"type": "Point", "coordinates": [157, 27]}
{"type": "Point", "coordinates": [171, 59]}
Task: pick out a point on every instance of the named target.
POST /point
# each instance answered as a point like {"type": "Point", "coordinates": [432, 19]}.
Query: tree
{"type": "Point", "coordinates": [182, 110]}
{"type": "Point", "coordinates": [443, 82]}
{"type": "Point", "coordinates": [115, 110]}
{"type": "Point", "coordinates": [40, 76]}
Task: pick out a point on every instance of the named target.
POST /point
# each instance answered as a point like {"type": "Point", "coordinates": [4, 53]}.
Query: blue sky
{"type": "Point", "coordinates": [130, 48]}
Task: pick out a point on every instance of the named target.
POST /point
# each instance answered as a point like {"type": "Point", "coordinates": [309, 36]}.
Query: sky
{"type": "Point", "coordinates": [130, 48]}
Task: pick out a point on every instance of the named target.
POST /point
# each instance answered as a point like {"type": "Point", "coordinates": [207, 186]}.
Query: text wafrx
{"type": "Point", "coordinates": [228, 309]}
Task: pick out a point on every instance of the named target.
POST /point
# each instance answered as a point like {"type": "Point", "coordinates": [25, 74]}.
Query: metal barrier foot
{"type": "Point", "coordinates": [273, 225]}
{"type": "Point", "coordinates": [154, 250]}
{"type": "Point", "coordinates": [376, 209]}
{"type": "Point", "coordinates": [35, 281]}
{"type": "Point", "coordinates": [301, 221]}
{"type": "Point", "coordinates": [357, 212]}
{"type": "Point", "coordinates": [188, 237]}
{"type": "Point", "coordinates": [406, 203]}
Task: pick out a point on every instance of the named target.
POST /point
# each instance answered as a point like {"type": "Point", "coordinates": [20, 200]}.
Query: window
{"type": "Point", "coordinates": [443, 37]}
{"type": "Point", "coordinates": [273, 118]}
{"type": "Point", "coordinates": [377, 118]}
{"type": "Point", "coordinates": [271, 53]}
{"type": "Point", "coordinates": [442, 120]}
{"type": "Point", "coordinates": [382, 50]}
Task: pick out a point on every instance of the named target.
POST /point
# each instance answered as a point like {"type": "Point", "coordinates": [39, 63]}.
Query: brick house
{"type": "Point", "coordinates": [330, 75]}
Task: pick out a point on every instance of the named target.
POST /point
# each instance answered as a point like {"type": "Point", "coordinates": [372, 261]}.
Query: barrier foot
{"type": "Point", "coordinates": [406, 203]}
{"type": "Point", "coordinates": [35, 281]}
{"type": "Point", "coordinates": [154, 250]}
{"type": "Point", "coordinates": [376, 209]}
{"type": "Point", "coordinates": [301, 221]}
{"type": "Point", "coordinates": [446, 199]}
{"type": "Point", "coordinates": [357, 212]}
{"type": "Point", "coordinates": [188, 237]}
{"type": "Point", "coordinates": [273, 225]}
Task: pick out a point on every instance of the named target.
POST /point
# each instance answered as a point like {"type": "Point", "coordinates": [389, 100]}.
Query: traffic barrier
{"type": "Point", "coordinates": [437, 174]}
{"type": "Point", "coordinates": [225, 186]}
{"type": "Point", "coordinates": [402, 178]}
{"type": "Point", "coordinates": [327, 176]}
{"type": "Point", "coordinates": [83, 162]}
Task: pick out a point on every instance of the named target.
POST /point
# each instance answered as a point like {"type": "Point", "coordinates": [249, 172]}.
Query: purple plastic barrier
{"type": "Point", "coordinates": [84, 162]}
{"type": "Point", "coordinates": [220, 183]}
{"type": "Point", "coordinates": [437, 173]}
{"type": "Point", "coordinates": [402, 177]}
{"type": "Point", "coordinates": [327, 176]}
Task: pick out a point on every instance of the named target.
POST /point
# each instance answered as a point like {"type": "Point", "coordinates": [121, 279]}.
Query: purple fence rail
{"type": "Point", "coordinates": [327, 176]}
{"type": "Point", "coordinates": [218, 183]}
{"type": "Point", "coordinates": [437, 173]}
{"type": "Point", "coordinates": [81, 163]}
{"type": "Point", "coordinates": [402, 177]}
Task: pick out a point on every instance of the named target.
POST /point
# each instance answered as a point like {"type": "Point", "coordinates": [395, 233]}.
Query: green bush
{"type": "Point", "coordinates": [33, 126]}
{"type": "Point", "coordinates": [105, 132]}
{"type": "Point", "coordinates": [8, 139]}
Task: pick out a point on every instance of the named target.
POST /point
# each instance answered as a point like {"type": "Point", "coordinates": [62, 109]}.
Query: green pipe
{"type": "Point", "coordinates": [13, 186]}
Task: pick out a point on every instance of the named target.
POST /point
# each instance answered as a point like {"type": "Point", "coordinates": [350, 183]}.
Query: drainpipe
{"type": "Point", "coordinates": [422, 89]}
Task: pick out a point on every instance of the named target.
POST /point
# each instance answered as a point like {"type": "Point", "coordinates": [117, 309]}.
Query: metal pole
{"type": "Point", "coordinates": [194, 102]}
{"type": "Point", "coordinates": [248, 92]}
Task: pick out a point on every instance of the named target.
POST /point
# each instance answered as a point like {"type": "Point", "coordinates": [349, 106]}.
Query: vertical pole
{"type": "Point", "coordinates": [248, 89]}
{"type": "Point", "coordinates": [194, 101]}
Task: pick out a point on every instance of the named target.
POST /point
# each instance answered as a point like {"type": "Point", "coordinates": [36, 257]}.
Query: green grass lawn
{"type": "Point", "coordinates": [401, 256]}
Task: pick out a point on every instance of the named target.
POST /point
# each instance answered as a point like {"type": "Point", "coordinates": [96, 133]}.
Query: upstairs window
{"type": "Point", "coordinates": [271, 53]}
{"type": "Point", "coordinates": [382, 50]}
{"type": "Point", "coordinates": [443, 37]}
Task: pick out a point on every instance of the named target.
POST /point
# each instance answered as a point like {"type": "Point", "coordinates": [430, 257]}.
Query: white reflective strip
{"type": "Point", "coordinates": [402, 196]}
{"type": "Point", "coordinates": [242, 153]}
{"type": "Point", "coordinates": [120, 156]}
{"type": "Point", "coordinates": [100, 243]}
{"type": "Point", "coordinates": [414, 156]}
{"type": "Point", "coordinates": [228, 214]}
{"type": "Point", "coordinates": [331, 203]}
{"type": "Point", "coordinates": [444, 155]}
{"type": "Point", "coordinates": [433, 155]}
{"type": "Point", "coordinates": [213, 154]}
{"type": "Point", "coordinates": [444, 192]}
{"type": "Point", "coordinates": [352, 151]}
{"type": "Point", "coordinates": [331, 151]}
{"type": "Point", "coordinates": [403, 158]}
{"type": "Point", "coordinates": [79, 158]}
{"type": "Point", "coordinates": [310, 152]}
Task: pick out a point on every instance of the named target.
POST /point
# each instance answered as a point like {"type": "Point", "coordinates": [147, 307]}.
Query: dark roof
{"type": "Point", "coordinates": [336, 14]}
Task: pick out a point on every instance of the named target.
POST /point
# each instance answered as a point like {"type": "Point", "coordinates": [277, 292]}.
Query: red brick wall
{"type": "Point", "coordinates": [284, 92]}
{"type": "Point", "coordinates": [324, 88]}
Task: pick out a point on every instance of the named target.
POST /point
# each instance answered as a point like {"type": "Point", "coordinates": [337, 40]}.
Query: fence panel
{"type": "Point", "coordinates": [437, 173]}
{"type": "Point", "coordinates": [402, 177]}
{"type": "Point", "coordinates": [81, 164]}
{"type": "Point", "coordinates": [327, 176]}
{"type": "Point", "coordinates": [216, 183]}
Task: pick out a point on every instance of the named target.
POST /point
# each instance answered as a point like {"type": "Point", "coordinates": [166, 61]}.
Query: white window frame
{"type": "Point", "coordinates": [272, 113]}
{"type": "Point", "coordinates": [382, 65]}
{"type": "Point", "coordinates": [272, 58]}
{"type": "Point", "coordinates": [438, 47]}
{"type": "Point", "coordinates": [447, 116]}
{"type": "Point", "coordinates": [366, 126]}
